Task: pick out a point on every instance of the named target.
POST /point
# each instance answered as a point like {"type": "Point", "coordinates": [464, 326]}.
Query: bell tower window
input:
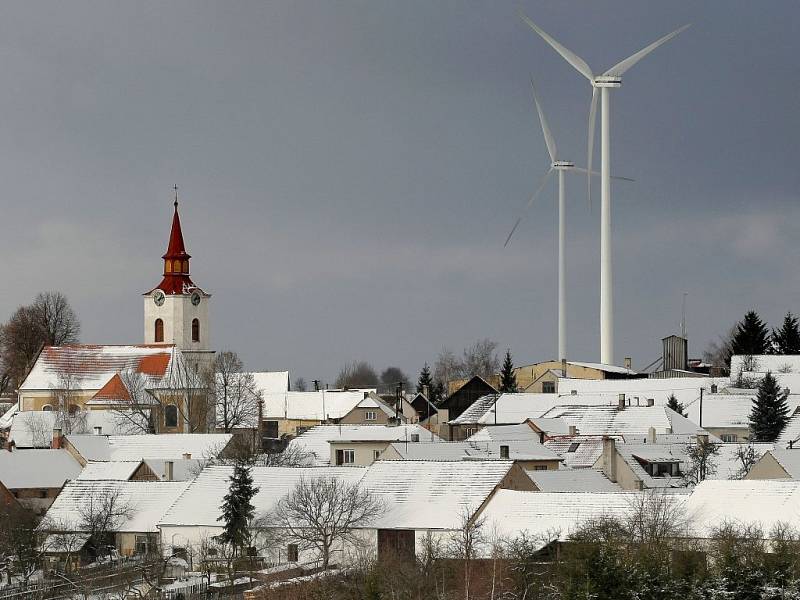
{"type": "Point", "coordinates": [195, 330]}
{"type": "Point", "coordinates": [159, 331]}
{"type": "Point", "coordinates": [176, 268]}
{"type": "Point", "coordinates": [168, 266]}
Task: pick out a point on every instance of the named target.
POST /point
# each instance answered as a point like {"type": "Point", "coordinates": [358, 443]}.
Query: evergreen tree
{"type": "Point", "coordinates": [770, 411]}
{"type": "Point", "coordinates": [672, 402]}
{"type": "Point", "coordinates": [426, 379]}
{"type": "Point", "coordinates": [508, 379]}
{"type": "Point", "coordinates": [237, 509]}
{"type": "Point", "coordinates": [751, 336]}
{"type": "Point", "coordinates": [786, 340]}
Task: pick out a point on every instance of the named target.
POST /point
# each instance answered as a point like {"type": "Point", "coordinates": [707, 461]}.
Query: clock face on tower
{"type": "Point", "coordinates": [158, 297]}
{"type": "Point", "coordinates": [195, 298]}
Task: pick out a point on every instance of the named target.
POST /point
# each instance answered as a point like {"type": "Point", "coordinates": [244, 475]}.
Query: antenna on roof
{"type": "Point", "coordinates": [683, 315]}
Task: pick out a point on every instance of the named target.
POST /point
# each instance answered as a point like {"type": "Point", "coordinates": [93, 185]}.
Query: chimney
{"type": "Point", "coordinates": [610, 458]}
{"type": "Point", "coordinates": [573, 430]}
{"type": "Point", "coordinates": [168, 470]}
{"type": "Point", "coordinates": [651, 402]}
{"type": "Point", "coordinates": [503, 451]}
{"type": "Point", "coordinates": [56, 438]}
{"type": "Point", "coordinates": [651, 435]}
{"type": "Point", "coordinates": [621, 402]}
{"type": "Point", "coordinates": [628, 362]}
{"type": "Point", "coordinates": [563, 367]}
{"type": "Point", "coordinates": [187, 456]}
{"type": "Point", "coordinates": [702, 439]}
{"type": "Point", "coordinates": [98, 431]}
{"type": "Point", "coordinates": [426, 392]}
{"type": "Point", "coordinates": [713, 388]}
{"type": "Point", "coordinates": [791, 443]}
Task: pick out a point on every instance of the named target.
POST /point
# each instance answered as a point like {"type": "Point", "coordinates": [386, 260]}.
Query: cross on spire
{"type": "Point", "coordinates": [175, 187]}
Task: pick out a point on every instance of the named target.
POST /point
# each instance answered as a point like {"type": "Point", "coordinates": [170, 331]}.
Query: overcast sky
{"type": "Point", "coordinates": [348, 171]}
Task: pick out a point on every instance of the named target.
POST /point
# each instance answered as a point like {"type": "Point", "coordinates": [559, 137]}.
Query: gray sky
{"type": "Point", "coordinates": [350, 170]}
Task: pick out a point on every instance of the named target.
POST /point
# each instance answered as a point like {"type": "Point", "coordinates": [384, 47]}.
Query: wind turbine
{"type": "Point", "coordinates": [561, 166]}
{"type": "Point", "coordinates": [612, 78]}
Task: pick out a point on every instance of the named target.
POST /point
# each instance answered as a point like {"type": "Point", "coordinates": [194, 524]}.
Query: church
{"type": "Point", "coordinates": [153, 387]}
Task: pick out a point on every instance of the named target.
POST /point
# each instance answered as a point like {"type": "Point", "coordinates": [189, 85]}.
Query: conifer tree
{"type": "Point", "coordinates": [786, 340]}
{"type": "Point", "coordinates": [751, 336]}
{"type": "Point", "coordinates": [672, 402]}
{"type": "Point", "coordinates": [770, 411]}
{"type": "Point", "coordinates": [237, 509]}
{"type": "Point", "coordinates": [508, 379]}
{"type": "Point", "coordinates": [426, 379]}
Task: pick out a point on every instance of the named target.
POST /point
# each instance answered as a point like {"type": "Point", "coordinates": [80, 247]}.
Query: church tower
{"type": "Point", "coordinates": [176, 311]}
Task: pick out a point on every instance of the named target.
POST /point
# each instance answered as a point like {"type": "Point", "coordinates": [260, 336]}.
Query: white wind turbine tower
{"type": "Point", "coordinates": [562, 166]}
{"type": "Point", "coordinates": [612, 78]}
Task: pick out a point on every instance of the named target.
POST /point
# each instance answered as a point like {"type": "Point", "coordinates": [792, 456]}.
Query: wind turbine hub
{"type": "Point", "coordinates": [608, 81]}
{"type": "Point", "coordinates": [562, 164]}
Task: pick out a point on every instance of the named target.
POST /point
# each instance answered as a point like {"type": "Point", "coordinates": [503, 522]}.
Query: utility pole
{"type": "Point", "coordinates": [316, 385]}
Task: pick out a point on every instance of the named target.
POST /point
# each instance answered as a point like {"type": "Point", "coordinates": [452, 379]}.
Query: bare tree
{"type": "Point", "coordinates": [300, 385]}
{"type": "Point", "coordinates": [446, 368]}
{"type": "Point", "coordinates": [746, 457]}
{"type": "Point", "coordinates": [18, 542]}
{"type": "Point", "coordinates": [701, 456]}
{"type": "Point", "coordinates": [718, 353]}
{"type": "Point", "coordinates": [357, 374]}
{"type": "Point", "coordinates": [66, 403]}
{"type": "Point", "coordinates": [292, 456]}
{"type": "Point", "coordinates": [467, 543]}
{"type": "Point", "coordinates": [234, 393]}
{"type": "Point", "coordinates": [481, 359]}
{"type": "Point", "coordinates": [48, 321]}
{"type": "Point", "coordinates": [186, 389]}
{"type": "Point", "coordinates": [393, 376]}
{"type": "Point", "coordinates": [140, 412]}
{"type": "Point", "coordinates": [322, 512]}
{"type": "Point", "coordinates": [101, 515]}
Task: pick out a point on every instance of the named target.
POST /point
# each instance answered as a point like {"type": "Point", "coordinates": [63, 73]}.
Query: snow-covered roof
{"type": "Point", "coordinates": [476, 410]}
{"type": "Point", "coordinates": [606, 391]}
{"type": "Point", "coordinates": [8, 417]}
{"type": "Point", "coordinates": [311, 406]}
{"type": "Point", "coordinates": [505, 433]}
{"type": "Point", "coordinates": [119, 470]}
{"type": "Point", "coordinates": [91, 366]}
{"type": "Point", "coordinates": [577, 451]}
{"type": "Point", "coordinates": [272, 382]}
{"type": "Point", "coordinates": [166, 446]}
{"type": "Point", "coordinates": [632, 421]}
{"type": "Point", "coordinates": [473, 450]}
{"type": "Point", "coordinates": [604, 367]}
{"type": "Point", "coordinates": [431, 494]}
{"type": "Point", "coordinates": [184, 469]}
{"type": "Point", "coordinates": [790, 433]}
{"type": "Point", "coordinates": [730, 410]}
{"type": "Point", "coordinates": [24, 469]}
{"type": "Point", "coordinates": [550, 516]}
{"type": "Point", "coordinates": [762, 363]}
{"type": "Point", "coordinates": [317, 439]}
{"type": "Point", "coordinates": [765, 503]}
{"type": "Point", "coordinates": [34, 429]}
{"type": "Point", "coordinates": [199, 504]}
{"type": "Point", "coordinates": [145, 501]}
{"type": "Point", "coordinates": [572, 480]}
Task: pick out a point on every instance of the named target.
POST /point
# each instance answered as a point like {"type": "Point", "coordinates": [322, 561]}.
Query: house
{"type": "Point", "coordinates": [193, 517]}
{"type": "Point", "coordinates": [427, 413]}
{"type": "Point", "coordinates": [549, 517]}
{"type": "Point", "coordinates": [138, 506]}
{"type": "Point", "coordinates": [463, 397]}
{"type": "Point", "coordinates": [34, 429]}
{"type": "Point", "coordinates": [501, 409]}
{"type": "Point", "coordinates": [358, 445]}
{"type": "Point", "coordinates": [115, 448]}
{"type": "Point", "coordinates": [776, 464]}
{"type": "Point", "coordinates": [272, 382]}
{"type": "Point", "coordinates": [660, 464]}
{"type": "Point", "coordinates": [577, 451]}
{"type": "Point", "coordinates": [290, 413]}
{"type": "Point", "coordinates": [35, 477]}
{"type": "Point", "coordinates": [432, 498]}
{"type": "Point", "coordinates": [143, 470]}
{"type": "Point", "coordinates": [373, 410]}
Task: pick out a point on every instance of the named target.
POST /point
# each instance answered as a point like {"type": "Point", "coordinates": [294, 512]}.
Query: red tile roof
{"type": "Point", "coordinates": [113, 390]}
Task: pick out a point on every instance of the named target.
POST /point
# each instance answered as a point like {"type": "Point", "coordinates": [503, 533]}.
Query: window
{"type": "Point", "coordinates": [573, 446]}
{"type": "Point", "coordinates": [73, 409]}
{"type": "Point", "coordinates": [470, 431]}
{"type": "Point", "coordinates": [271, 429]}
{"type": "Point", "coordinates": [171, 416]}
{"type": "Point", "coordinates": [504, 451]}
{"type": "Point", "coordinates": [176, 267]}
{"type": "Point", "coordinates": [167, 266]}
{"type": "Point", "coordinates": [141, 544]}
{"type": "Point", "coordinates": [159, 331]}
{"type": "Point", "coordinates": [376, 454]}
{"type": "Point", "coordinates": [548, 387]}
{"type": "Point", "coordinates": [186, 266]}
{"type": "Point", "coordinates": [291, 553]}
{"type": "Point", "coordinates": [370, 415]}
{"type": "Point", "coordinates": [414, 437]}
{"type": "Point", "coordinates": [47, 408]}
{"type": "Point", "coordinates": [345, 457]}
{"type": "Point", "coordinates": [540, 467]}
{"type": "Point", "coordinates": [195, 330]}
{"type": "Point", "coordinates": [725, 437]}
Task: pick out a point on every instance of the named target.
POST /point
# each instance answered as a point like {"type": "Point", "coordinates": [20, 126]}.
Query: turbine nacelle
{"type": "Point", "coordinates": [562, 165]}
{"type": "Point", "coordinates": [607, 81]}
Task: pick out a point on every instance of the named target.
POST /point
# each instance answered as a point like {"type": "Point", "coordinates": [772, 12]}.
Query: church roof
{"type": "Point", "coordinates": [114, 389]}
{"type": "Point", "coordinates": [176, 248]}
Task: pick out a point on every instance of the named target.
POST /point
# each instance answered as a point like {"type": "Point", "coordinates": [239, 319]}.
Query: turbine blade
{"type": "Point", "coordinates": [568, 55]}
{"type": "Point", "coordinates": [590, 149]}
{"type": "Point", "coordinates": [597, 174]}
{"type": "Point", "coordinates": [622, 66]}
{"type": "Point", "coordinates": [548, 136]}
{"type": "Point", "coordinates": [530, 203]}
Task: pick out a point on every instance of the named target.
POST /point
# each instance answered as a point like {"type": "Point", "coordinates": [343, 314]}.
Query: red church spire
{"type": "Point", "coordinates": [176, 260]}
